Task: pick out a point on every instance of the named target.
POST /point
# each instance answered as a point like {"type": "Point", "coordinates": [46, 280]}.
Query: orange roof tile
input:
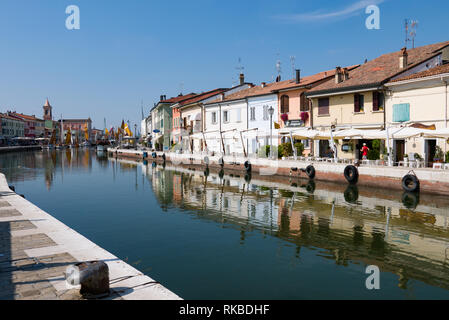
{"type": "Point", "coordinates": [428, 73]}
{"type": "Point", "coordinates": [380, 70]}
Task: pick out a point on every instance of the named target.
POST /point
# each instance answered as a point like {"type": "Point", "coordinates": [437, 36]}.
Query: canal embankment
{"type": "Point", "coordinates": [431, 181]}
{"type": "Point", "coordinates": [36, 249]}
{"type": "Point", "coordinates": [19, 148]}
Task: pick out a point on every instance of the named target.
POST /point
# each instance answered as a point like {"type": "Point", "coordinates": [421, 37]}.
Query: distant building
{"type": "Point", "coordinates": [12, 127]}
{"type": "Point", "coordinates": [34, 127]}
{"type": "Point", "coordinates": [78, 128]}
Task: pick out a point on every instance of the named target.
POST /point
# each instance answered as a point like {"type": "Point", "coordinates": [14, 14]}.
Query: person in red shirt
{"type": "Point", "coordinates": [365, 151]}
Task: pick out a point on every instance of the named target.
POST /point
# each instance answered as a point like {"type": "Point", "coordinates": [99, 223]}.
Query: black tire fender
{"type": "Point", "coordinates": [248, 166]}
{"type": "Point", "coordinates": [351, 174]}
{"type": "Point", "coordinates": [410, 183]}
{"type": "Point", "coordinates": [310, 171]}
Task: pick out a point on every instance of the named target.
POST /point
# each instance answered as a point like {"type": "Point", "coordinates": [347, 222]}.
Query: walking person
{"type": "Point", "coordinates": [365, 151]}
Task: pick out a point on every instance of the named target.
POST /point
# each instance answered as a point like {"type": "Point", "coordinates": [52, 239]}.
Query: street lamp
{"type": "Point", "coordinates": [271, 112]}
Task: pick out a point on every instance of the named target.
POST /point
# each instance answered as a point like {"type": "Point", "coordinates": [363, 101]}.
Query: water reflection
{"type": "Point", "coordinates": [399, 236]}
{"type": "Point", "coordinates": [404, 234]}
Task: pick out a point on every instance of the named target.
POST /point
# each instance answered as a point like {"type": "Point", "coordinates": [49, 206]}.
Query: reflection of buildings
{"type": "Point", "coordinates": [398, 240]}
{"type": "Point", "coordinates": [52, 163]}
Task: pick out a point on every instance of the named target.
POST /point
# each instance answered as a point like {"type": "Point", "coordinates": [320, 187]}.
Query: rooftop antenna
{"type": "Point", "coordinates": [240, 67]}
{"type": "Point", "coordinates": [410, 31]}
{"type": "Point", "coordinates": [181, 87]}
{"type": "Point", "coordinates": [278, 69]}
{"type": "Point", "coordinates": [141, 107]}
{"type": "Point", "coordinates": [293, 60]}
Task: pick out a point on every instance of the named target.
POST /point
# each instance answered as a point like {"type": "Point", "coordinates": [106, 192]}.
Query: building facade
{"type": "Point", "coordinates": [355, 99]}
{"type": "Point", "coordinates": [419, 100]}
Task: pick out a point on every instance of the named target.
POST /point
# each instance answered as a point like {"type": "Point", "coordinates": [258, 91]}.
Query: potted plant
{"type": "Point", "coordinates": [304, 116]}
{"type": "Point", "coordinates": [439, 155]}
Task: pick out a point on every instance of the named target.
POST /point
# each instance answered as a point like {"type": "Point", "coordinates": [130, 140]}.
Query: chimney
{"type": "Point", "coordinates": [242, 79]}
{"type": "Point", "coordinates": [298, 76]}
{"type": "Point", "coordinates": [162, 98]}
{"type": "Point", "coordinates": [403, 59]}
{"type": "Point", "coordinates": [338, 75]}
{"type": "Point", "coordinates": [263, 84]}
{"type": "Point", "coordinates": [345, 74]}
{"type": "Point", "coordinates": [222, 96]}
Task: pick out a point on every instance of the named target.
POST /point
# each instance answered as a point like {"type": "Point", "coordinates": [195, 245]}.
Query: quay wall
{"type": "Point", "coordinates": [19, 148]}
{"type": "Point", "coordinates": [431, 181]}
{"type": "Point", "coordinates": [126, 282]}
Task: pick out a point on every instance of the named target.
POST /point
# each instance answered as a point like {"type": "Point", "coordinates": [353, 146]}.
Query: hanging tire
{"type": "Point", "coordinates": [221, 174]}
{"type": "Point", "coordinates": [206, 172]}
{"type": "Point", "coordinates": [410, 183]}
{"type": "Point", "coordinates": [351, 174]}
{"type": "Point", "coordinates": [310, 171]}
{"type": "Point", "coordinates": [410, 200]}
{"type": "Point", "coordinates": [351, 194]}
{"type": "Point", "coordinates": [221, 162]}
{"type": "Point", "coordinates": [248, 177]}
{"type": "Point", "coordinates": [145, 155]}
{"type": "Point", "coordinates": [163, 157]}
{"type": "Point", "coordinates": [248, 166]}
{"type": "Point", "coordinates": [154, 155]}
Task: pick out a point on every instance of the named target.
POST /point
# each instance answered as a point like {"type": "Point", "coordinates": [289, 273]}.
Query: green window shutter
{"type": "Point", "coordinates": [401, 112]}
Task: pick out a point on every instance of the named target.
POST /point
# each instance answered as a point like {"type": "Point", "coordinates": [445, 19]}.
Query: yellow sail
{"type": "Point", "coordinates": [128, 132]}
{"type": "Point", "coordinates": [86, 133]}
{"type": "Point", "coordinates": [68, 138]}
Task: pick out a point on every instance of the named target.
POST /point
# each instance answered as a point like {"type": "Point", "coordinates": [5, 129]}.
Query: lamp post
{"type": "Point", "coordinates": [271, 112]}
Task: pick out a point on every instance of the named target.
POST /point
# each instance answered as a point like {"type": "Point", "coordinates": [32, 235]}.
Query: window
{"type": "Point", "coordinates": [323, 106]}
{"type": "Point", "coordinates": [238, 115]}
{"type": "Point", "coordinates": [214, 117]}
{"type": "Point", "coordinates": [285, 100]}
{"type": "Point", "coordinates": [252, 112]}
{"type": "Point", "coordinates": [303, 103]}
{"type": "Point", "coordinates": [401, 112]}
{"type": "Point", "coordinates": [359, 101]}
{"type": "Point", "coordinates": [225, 117]}
{"type": "Point", "coordinates": [378, 101]}
{"type": "Point", "coordinates": [265, 112]}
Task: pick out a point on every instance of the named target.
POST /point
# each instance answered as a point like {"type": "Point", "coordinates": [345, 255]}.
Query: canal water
{"type": "Point", "coordinates": [236, 237]}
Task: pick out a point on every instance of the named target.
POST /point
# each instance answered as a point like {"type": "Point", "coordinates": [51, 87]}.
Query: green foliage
{"type": "Point", "coordinates": [286, 150]}
{"type": "Point", "coordinates": [447, 157]}
{"type": "Point", "coordinates": [439, 155]}
{"type": "Point", "coordinates": [373, 155]}
{"type": "Point", "coordinates": [299, 148]}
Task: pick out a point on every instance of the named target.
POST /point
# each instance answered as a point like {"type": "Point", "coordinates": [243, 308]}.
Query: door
{"type": "Point", "coordinates": [430, 150]}
{"type": "Point", "coordinates": [324, 148]}
{"type": "Point", "coordinates": [399, 150]}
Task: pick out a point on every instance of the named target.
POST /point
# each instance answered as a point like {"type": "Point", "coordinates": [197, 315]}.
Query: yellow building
{"type": "Point", "coordinates": [355, 99]}
{"type": "Point", "coordinates": [419, 100]}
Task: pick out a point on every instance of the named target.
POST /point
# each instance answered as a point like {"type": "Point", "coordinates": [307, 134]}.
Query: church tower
{"type": "Point", "coordinates": [48, 111]}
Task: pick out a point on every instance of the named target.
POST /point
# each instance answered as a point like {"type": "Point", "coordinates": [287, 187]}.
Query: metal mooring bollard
{"type": "Point", "coordinates": [92, 276]}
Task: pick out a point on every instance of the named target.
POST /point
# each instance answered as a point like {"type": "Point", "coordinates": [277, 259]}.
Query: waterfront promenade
{"type": "Point", "coordinates": [432, 181]}
{"type": "Point", "coordinates": [36, 248]}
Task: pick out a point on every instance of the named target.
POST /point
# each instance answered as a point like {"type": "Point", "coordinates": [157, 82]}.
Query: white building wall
{"type": "Point", "coordinates": [262, 122]}
{"type": "Point", "coordinates": [237, 119]}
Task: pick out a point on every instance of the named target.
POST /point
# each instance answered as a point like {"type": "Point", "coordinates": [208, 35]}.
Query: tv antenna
{"type": "Point", "coordinates": [410, 31]}
{"type": "Point", "coordinates": [292, 61]}
{"type": "Point", "coordinates": [278, 68]}
{"type": "Point", "coordinates": [181, 87]}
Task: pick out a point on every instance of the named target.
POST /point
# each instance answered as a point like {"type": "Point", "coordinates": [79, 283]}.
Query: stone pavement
{"type": "Point", "coordinates": [36, 249]}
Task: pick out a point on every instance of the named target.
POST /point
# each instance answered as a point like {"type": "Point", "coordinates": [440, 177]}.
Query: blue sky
{"type": "Point", "coordinates": [134, 50]}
